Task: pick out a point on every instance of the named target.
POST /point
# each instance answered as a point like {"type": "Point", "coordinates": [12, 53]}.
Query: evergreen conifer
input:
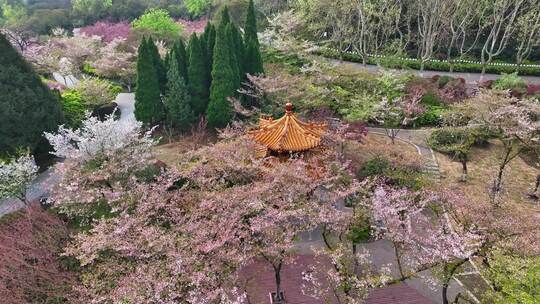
{"type": "Point", "coordinates": [148, 106]}
{"type": "Point", "coordinates": [219, 111]}
{"type": "Point", "coordinates": [197, 77]}
{"type": "Point", "coordinates": [230, 30]}
{"type": "Point", "coordinates": [29, 108]}
{"type": "Point", "coordinates": [253, 59]}
{"type": "Point", "coordinates": [179, 49]}
{"type": "Point", "coordinates": [161, 71]}
{"type": "Point", "coordinates": [177, 101]}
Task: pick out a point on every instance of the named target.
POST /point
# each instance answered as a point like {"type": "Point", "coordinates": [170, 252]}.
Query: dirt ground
{"type": "Point", "coordinates": [483, 165]}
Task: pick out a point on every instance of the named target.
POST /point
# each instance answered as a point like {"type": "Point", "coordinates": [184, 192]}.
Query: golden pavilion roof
{"type": "Point", "coordinates": [288, 134]}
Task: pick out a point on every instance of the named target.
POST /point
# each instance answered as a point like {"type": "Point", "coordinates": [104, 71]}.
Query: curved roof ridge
{"type": "Point", "coordinates": [288, 133]}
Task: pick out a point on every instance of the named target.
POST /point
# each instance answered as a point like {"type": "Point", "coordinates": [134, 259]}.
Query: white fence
{"type": "Point", "coordinates": [436, 60]}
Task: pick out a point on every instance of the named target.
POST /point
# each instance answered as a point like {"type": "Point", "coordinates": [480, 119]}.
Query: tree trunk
{"type": "Point", "coordinates": [398, 259]}
{"type": "Point", "coordinates": [534, 193]}
{"type": "Point", "coordinates": [506, 160]}
{"type": "Point", "coordinates": [465, 172]}
{"type": "Point", "coordinates": [445, 293]}
{"type": "Point", "coordinates": [355, 266]}
{"type": "Point", "coordinates": [277, 273]}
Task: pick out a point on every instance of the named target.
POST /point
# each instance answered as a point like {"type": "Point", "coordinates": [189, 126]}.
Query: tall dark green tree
{"type": "Point", "coordinates": [219, 111]}
{"type": "Point", "coordinates": [209, 42]}
{"type": "Point", "coordinates": [235, 45]}
{"type": "Point", "coordinates": [239, 48]}
{"type": "Point", "coordinates": [161, 71]}
{"type": "Point", "coordinates": [225, 17]}
{"type": "Point", "coordinates": [253, 59]}
{"type": "Point", "coordinates": [28, 107]}
{"type": "Point", "coordinates": [177, 101]}
{"type": "Point", "coordinates": [148, 106]}
{"type": "Point", "coordinates": [197, 76]}
{"type": "Point", "coordinates": [179, 48]}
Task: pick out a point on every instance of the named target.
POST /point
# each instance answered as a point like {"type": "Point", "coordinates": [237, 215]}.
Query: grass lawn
{"type": "Point", "coordinates": [380, 145]}
{"type": "Point", "coordinates": [483, 167]}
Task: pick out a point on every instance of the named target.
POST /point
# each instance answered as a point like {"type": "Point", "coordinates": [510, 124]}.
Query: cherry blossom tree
{"type": "Point", "coordinates": [184, 233]}
{"type": "Point", "coordinates": [65, 54]}
{"type": "Point", "coordinates": [116, 60]}
{"type": "Point", "coordinates": [422, 227]}
{"type": "Point", "coordinates": [16, 175]}
{"type": "Point", "coordinates": [518, 127]}
{"type": "Point", "coordinates": [107, 31]}
{"type": "Point", "coordinates": [98, 158]}
{"type": "Point", "coordinates": [395, 113]}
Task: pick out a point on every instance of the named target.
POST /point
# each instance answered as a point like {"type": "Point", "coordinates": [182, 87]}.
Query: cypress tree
{"type": "Point", "coordinates": [253, 63]}
{"type": "Point", "coordinates": [253, 59]}
{"type": "Point", "coordinates": [29, 108]}
{"type": "Point", "coordinates": [235, 53]}
{"type": "Point", "coordinates": [197, 76]}
{"type": "Point", "coordinates": [161, 71]}
{"type": "Point", "coordinates": [179, 49]}
{"type": "Point", "coordinates": [219, 111]}
{"type": "Point", "coordinates": [225, 17]}
{"type": "Point", "coordinates": [210, 41]}
{"type": "Point", "coordinates": [250, 30]}
{"type": "Point", "coordinates": [148, 106]}
{"type": "Point", "coordinates": [177, 101]}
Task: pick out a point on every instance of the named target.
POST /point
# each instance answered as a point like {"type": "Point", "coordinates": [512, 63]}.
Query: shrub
{"type": "Point", "coordinates": [292, 62]}
{"type": "Point", "coordinates": [432, 117]}
{"type": "Point", "coordinates": [431, 99]}
{"type": "Point", "coordinates": [374, 167]}
{"type": "Point", "coordinates": [394, 173]}
{"type": "Point", "coordinates": [443, 80]}
{"type": "Point", "coordinates": [447, 139]}
{"type": "Point", "coordinates": [510, 82]}
{"type": "Point", "coordinates": [97, 92]}
{"type": "Point", "coordinates": [455, 90]}
{"type": "Point", "coordinates": [73, 107]}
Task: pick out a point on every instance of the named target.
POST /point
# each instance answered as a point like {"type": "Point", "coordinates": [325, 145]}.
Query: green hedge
{"type": "Point", "coordinates": [396, 63]}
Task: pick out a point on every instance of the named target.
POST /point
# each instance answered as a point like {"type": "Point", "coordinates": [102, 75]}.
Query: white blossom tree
{"type": "Point", "coordinates": [99, 137]}
{"type": "Point", "coordinates": [16, 175]}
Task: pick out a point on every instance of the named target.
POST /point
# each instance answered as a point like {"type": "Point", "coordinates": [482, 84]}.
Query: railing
{"type": "Point", "coordinates": [435, 60]}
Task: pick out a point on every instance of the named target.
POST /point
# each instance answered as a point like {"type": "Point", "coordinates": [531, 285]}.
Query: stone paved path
{"type": "Point", "coordinates": [472, 78]}
{"type": "Point", "coordinates": [126, 104]}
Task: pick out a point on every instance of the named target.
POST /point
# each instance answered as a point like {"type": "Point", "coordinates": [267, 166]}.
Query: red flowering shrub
{"type": "Point", "coordinates": [533, 89]}
{"type": "Point", "coordinates": [30, 270]}
{"type": "Point", "coordinates": [107, 31]}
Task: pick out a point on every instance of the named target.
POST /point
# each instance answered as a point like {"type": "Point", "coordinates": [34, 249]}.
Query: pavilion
{"type": "Point", "coordinates": [287, 134]}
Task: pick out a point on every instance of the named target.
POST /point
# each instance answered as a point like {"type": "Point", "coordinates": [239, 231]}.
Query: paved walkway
{"type": "Point", "coordinates": [417, 138]}
{"type": "Point", "coordinates": [126, 104]}
{"type": "Point", "coordinates": [471, 78]}
{"type": "Point", "coordinates": [37, 190]}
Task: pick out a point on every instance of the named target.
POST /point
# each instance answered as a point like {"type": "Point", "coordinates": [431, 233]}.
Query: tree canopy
{"type": "Point", "coordinates": [28, 106]}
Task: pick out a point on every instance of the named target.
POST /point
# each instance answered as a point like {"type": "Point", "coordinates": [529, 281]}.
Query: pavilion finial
{"type": "Point", "coordinates": [288, 108]}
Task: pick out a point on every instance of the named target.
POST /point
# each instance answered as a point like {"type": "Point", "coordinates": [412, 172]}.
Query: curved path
{"type": "Point", "coordinates": [418, 139]}
{"type": "Point", "coordinates": [470, 78]}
